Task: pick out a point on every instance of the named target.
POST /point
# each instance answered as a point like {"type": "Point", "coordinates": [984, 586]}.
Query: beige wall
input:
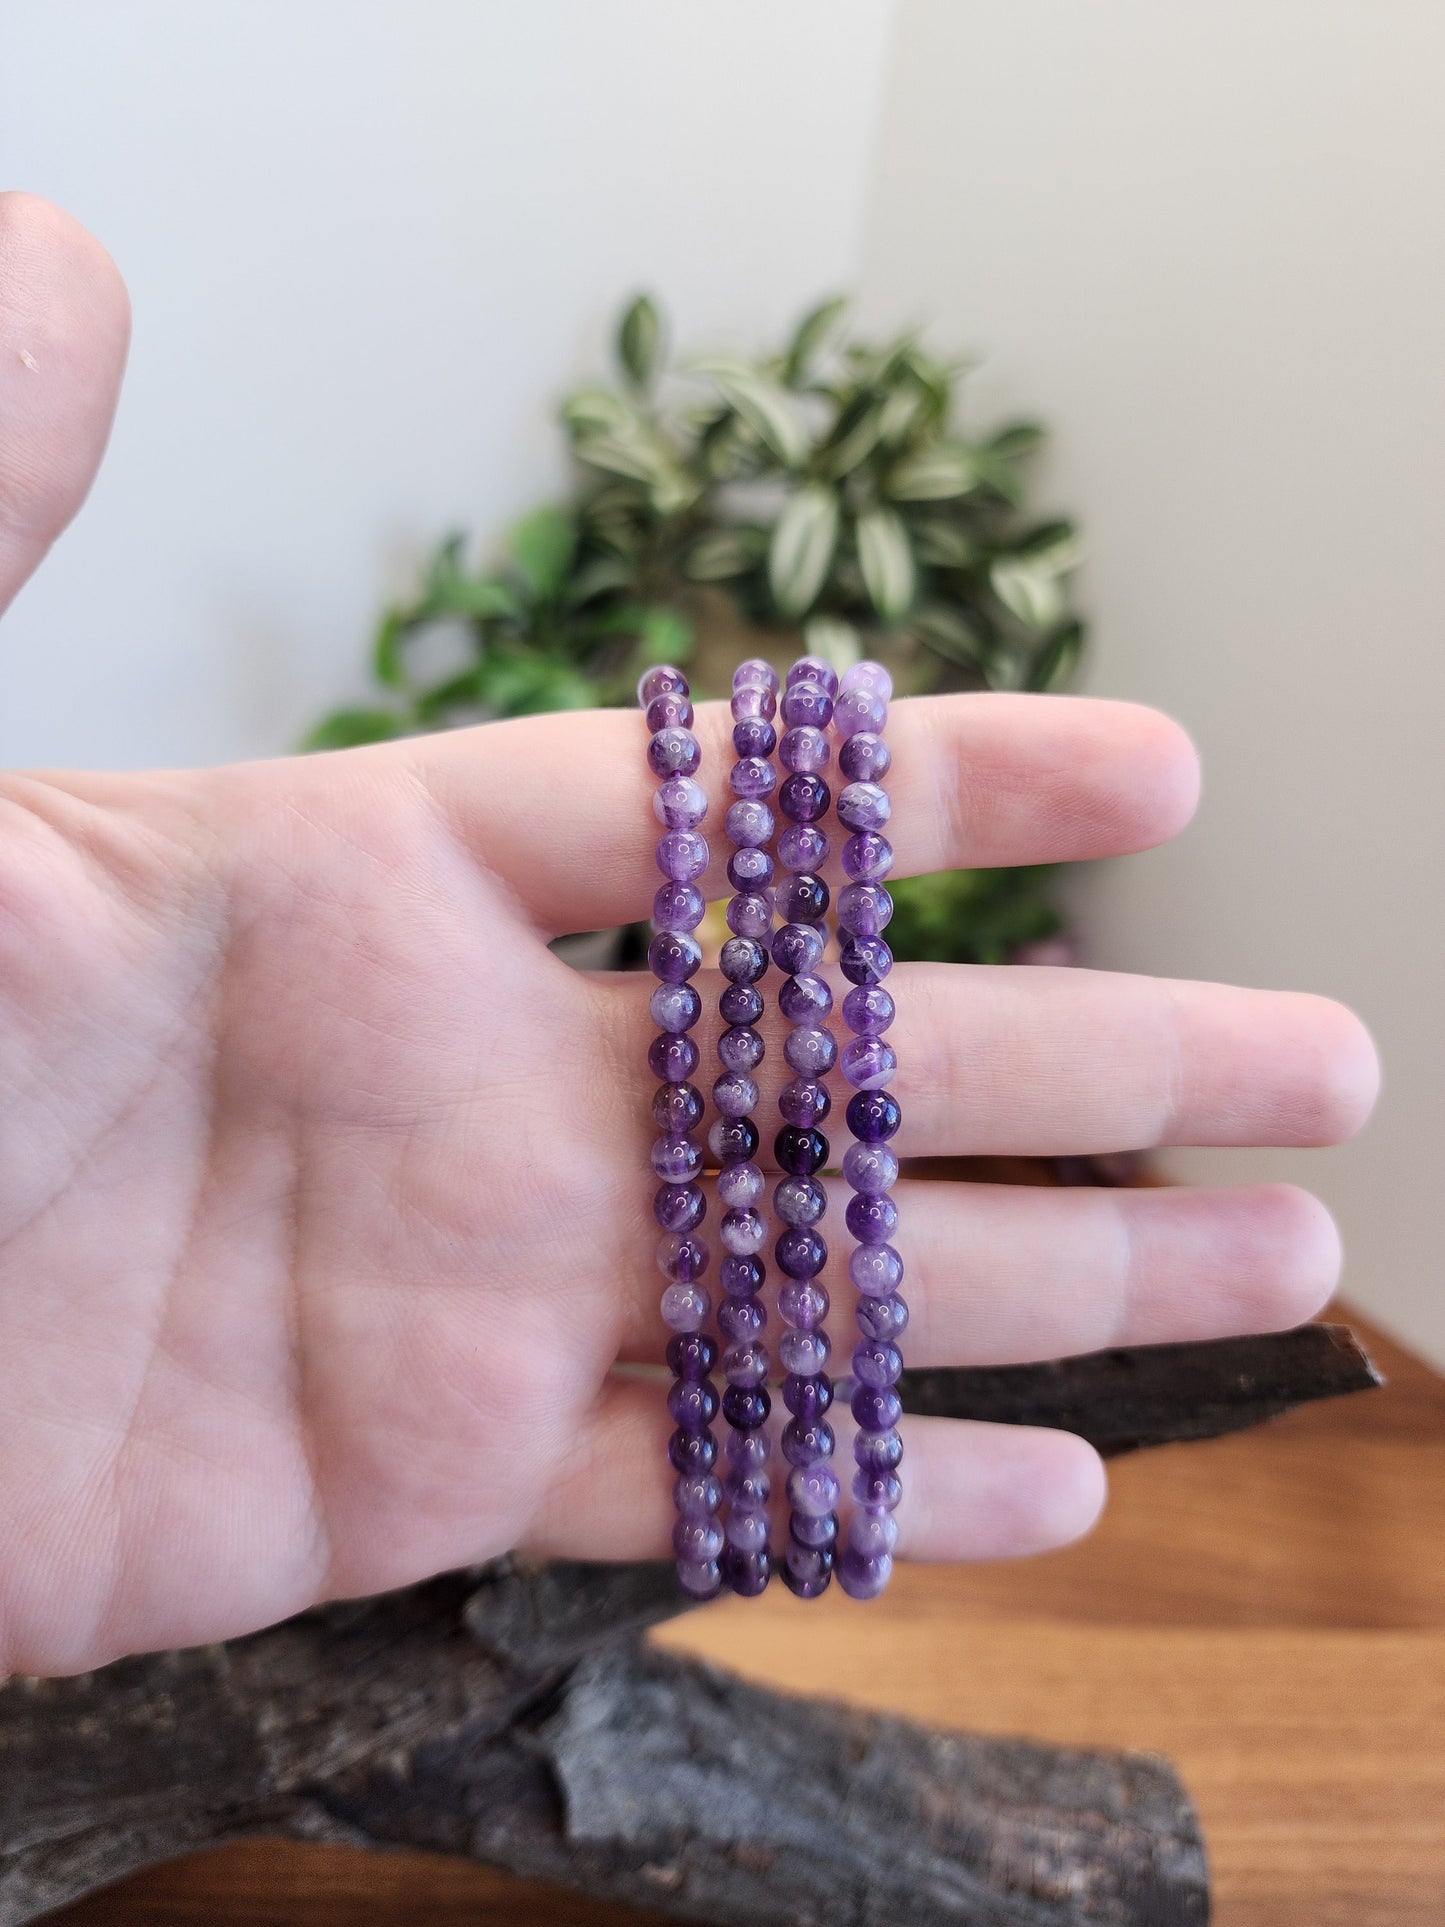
{"type": "Point", "coordinates": [1207, 241]}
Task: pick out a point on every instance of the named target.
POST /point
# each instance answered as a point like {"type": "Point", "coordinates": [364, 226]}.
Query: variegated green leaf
{"type": "Point", "coordinates": [1057, 656]}
{"type": "Point", "coordinates": [836, 642]}
{"type": "Point", "coordinates": [885, 557]}
{"type": "Point", "coordinates": [942, 544]}
{"type": "Point", "coordinates": [598, 411]}
{"type": "Point", "coordinates": [802, 548]}
{"type": "Point", "coordinates": [814, 333]}
{"type": "Point", "coordinates": [542, 545]}
{"type": "Point", "coordinates": [1034, 595]}
{"type": "Point", "coordinates": [854, 445]}
{"type": "Point", "coordinates": [639, 341]}
{"type": "Point", "coordinates": [950, 634]}
{"type": "Point", "coordinates": [1016, 440]}
{"type": "Point", "coordinates": [767, 408]}
{"type": "Point", "coordinates": [721, 553]}
{"type": "Point", "coordinates": [1051, 548]}
{"type": "Point", "coordinates": [932, 474]}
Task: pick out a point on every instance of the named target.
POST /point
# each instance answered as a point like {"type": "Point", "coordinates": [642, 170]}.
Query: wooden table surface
{"type": "Point", "coordinates": [1268, 1610]}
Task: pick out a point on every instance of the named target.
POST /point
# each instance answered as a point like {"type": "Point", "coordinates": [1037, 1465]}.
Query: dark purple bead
{"type": "Point", "coordinates": [746, 1407]}
{"type": "Point", "coordinates": [799, 1151]}
{"type": "Point", "coordinates": [802, 1444]}
{"type": "Point", "coordinates": [743, 960]}
{"type": "Point", "coordinates": [748, 1452]}
{"type": "Point", "coordinates": [750, 914]}
{"type": "Point", "coordinates": [863, 960]}
{"type": "Point", "coordinates": [677, 752]}
{"type": "Point", "coordinates": [883, 1318]}
{"type": "Point", "coordinates": [747, 1528]}
{"type": "Point", "coordinates": [801, 1252]}
{"type": "Point", "coordinates": [865, 757]}
{"type": "Point", "coordinates": [816, 1533]}
{"type": "Point", "coordinates": [874, 1116]}
{"type": "Point", "coordinates": [675, 1007]}
{"type": "Point", "coordinates": [746, 1573]}
{"type": "Point", "coordinates": [669, 712]}
{"type": "Point", "coordinates": [867, 858]}
{"type": "Point", "coordinates": [803, 846]}
{"type": "Point", "coordinates": [682, 855]}
{"type": "Point", "coordinates": [741, 1275]}
{"type": "Point", "coordinates": [806, 999]}
{"type": "Point", "coordinates": [804, 798]}
{"type": "Point", "coordinates": [806, 703]}
{"type": "Point", "coordinates": [758, 671]}
{"type": "Point", "coordinates": [863, 1575]}
{"type": "Point", "coordinates": [868, 1062]}
{"type": "Point", "coordinates": [732, 1139]}
{"type": "Point", "coordinates": [661, 680]}
{"type": "Point", "coordinates": [691, 1354]}
{"type": "Point", "coordinates": [750, 823]}
{"type": "Point", "coordinates": [868, 1010]}
{"type": "Point", "coordinates": [752, 777]}
{"type": "Point", "coordinates": [741, 1320]}
{"type": "Point", "coordinates": [872, 1221]}
{"type": "Point", "coordinates": [798, 948]}
{"type": "Point", "coordinates": [878, 1451]}
{"type": "Point", "coordinates": [802, 899]}
{"type": "Point", "coordinates": [804, 750]}
{"type": "Point", "coordinates": [697, 1492]}
{"type": "Point", "coordinates": [797, 1200]}
{"type": "Point", "coordinates": [883, 1489]}
{"type": "Point", "coordinates": [804, 1101]}
{"type": "Point", "coordinates": [741, 1048]}
{"type": "Point", "coordinates": [813, 669]}
{"type": "Point", "coordinates": [806, 1571]}
{"type": "Point", "coordinates": [682, 1259]}
{"type": "Point", "coordinates": [864, 909]}
{"type": "Point", "coordinates": [678, 906]}
{"type": "Point", "coordinates": [751, 869]}
{"type": "Point", "coordinates": [754, 736]}
{"type": "Point", "coordinates": [740, 1004]}
{"type": "Point", "coordinates": [807, 1398]}
{"type": "Point", "coordinates": [676, 1109]}
{"type": "Point", "coordinates": [692, 1403]}
{"type": "Point", "coordinates": [679, 1207]}
{"type": "Point", "coordinates": [876, 1411]}
{"type": "Point", "coordinates": [673, 1059]}
{"type": "Point", "coordinates": [863, 806]}
{"type": "Point", "coordinates": [877, 1366]}
{"type": "Point", "coordinates": [673, 956]}
{"type": "Point", "coordinates": [752, 703]}
{"type": "Point", "coordinates": [692, 1452]}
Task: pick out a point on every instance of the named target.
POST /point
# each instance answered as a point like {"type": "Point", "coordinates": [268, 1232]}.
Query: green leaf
{"type": "Point", "coordinates": [526, 683]}
{"type": "Point", "coordinates": [542, 546]}
{"type": "Point", "coordinates": [766, 407]}
{"type": "Point", "coordinates": [598, 411]}
{"type": "Point", "coordinates": [639, 340]}
{"type": "Point", "coordinates": [1051, 548]}
{"type": "Point", "coordinates": [354, 728]}
{"type": "Point", "coordinates": [836, 642]}
{"type": "Point", "coordinates": [942, 544]}
{"type": "Point", "coordinates": [720, 553]}
{"type": "Point", "coordinates": [1018, 439]}
{"type": "Point", "coordinates": [813, 334]}
{"type": "Point", "coordinates": [1032, 594]}
{"type": "Point", "coordinates": [932, 474]}
{"type": "Point", "coordinates": [802, 548]}
{"type": "Point", "coordinates": [386, 663]}
{"type": "Point", "coordinates": [885, 557]}
{"type": "Point", "coordinates": [853, 441]}
{"type": "Point", "coordinates": [601, 576]}
{"type": "Point", "coordinates": [471, 595]}
{"type": "Point", "coordinates": [949, 634]}
{"type": "Point", "coordinates": [1057, 657]}
{"type": "Point", "coordinates": [666, 636]}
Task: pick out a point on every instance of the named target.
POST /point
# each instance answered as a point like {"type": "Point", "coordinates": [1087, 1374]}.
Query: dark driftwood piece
{"type": "Point", "coordinates": [515, 1716]}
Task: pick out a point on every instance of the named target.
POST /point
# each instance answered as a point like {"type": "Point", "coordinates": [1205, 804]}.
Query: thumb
{"type": "Point", "coordinates": [64, 329]}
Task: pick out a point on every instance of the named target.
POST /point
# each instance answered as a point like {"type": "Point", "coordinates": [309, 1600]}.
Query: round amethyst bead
{"type": "Point", "coordinates": [751, 869]}
{"type": "Point", "coordinates": [813, 669]}
{"type": "Point", "coordinates": [682, 855]}
{"type": "Point", "coordinates": [735, 1094]}
{"type": "Point", "coordinates": [800, 1151]}
{"type": "Point", "coordinates": [870, 1168]}
{"type": "Point", "coordinates": [691, 1354]}
{"type": "Point", "coordinates": [672, 1058]}
{"type": "Point", "coordinates": [733, 1140]}
{"type": "Point", "coordinates": [673, 956]}
{"type": "Point", "coordinates": [798, 948]}
{"type": "Point", "coordinates": [804, 798]}
{"type": "Point", "coordinates": [756, 670]}
{"type": "Point", "coordinates": [675, 1007]}
{"type": "Point", "coordinates": [868, 1010]}
{"type": "Point", "coordinates": [740, 1004]}
{"type": "Point", "coordinates": [804, 749]}
{"type": "Point", "coordinates": [661, 680]}
{"type": "Point", "coordinates": [883, 1318]}
{"type": "Point", "coordinates": [802, 899]}
{"type": "Point", "coordinates": [862, 960]}
{"type": "Point", "coordinates": [680, 803]}
{"type": "Point", "coordinates": [874, 1116]}
{"type": "Point", "coordinates": [749, 914]}
{"type": "Point", "coordinates": [863, 806]}
{"type": "Point", "coordinates": [669, 712]}
{"type": "Point", "coordinates": [753, 704]}
{"type": "Point", "coordinates": [740, 1048]}
{"type": "Point", "coordinates": [803, 846]}
{"type": "Point", "coordinates": [805, 999]}
{"type": "Point", "coordinates": [803, 1303]}
{"type": "Point", "coordinates": [679, 1207]}
{"type": "Point", "coordinates": [802, 1201]}
{"type": "Point", "coordinates": [865, 757]}
{"type": "Point", "coordinates": [867, 1062]}
{"type": "Point", "coordinates": [678, 906]}
{"type": "Point", "coordinates": [801, 1251]}
{"type": "Point", "coordinates": [675, 752]}
{"type": "Point", "coordinates": [863, 1575]}
{"type": "Point", "coordinates": [807, 1398]}
{"type": "Point", "coordinates": [864, 909]}
{"type": "Point", "coordinates": [868, 675]}
{"type": "Point", "coordinates": [739, 1186]}
{"type": "Point", "coordinates": [754, 736]}
{"type": "Point", "coordinates": [804, 1101]}
{"type": "Point", "coordinates": [752, 777]}
{"type": "Point", "coordinates": [804, 704]}
{"type": "Point", "coordinates": [750, 823]}
{"type": "Point", "coordinates": [875, 1270]}
{"type": "Point", "coordinates": [743, 960]}
{"type": "Point", "coordinates": [867, 857]}
{"type": "Point", "coordinates": [676, 1160]}
{"type": "Point", "coordinates": [859, 709]}
{"type": "Point", "coordinates": [677, 1108]}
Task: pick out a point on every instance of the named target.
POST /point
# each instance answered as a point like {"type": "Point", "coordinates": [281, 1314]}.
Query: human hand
{"type": "Point", "coordinates": [324, 1195]}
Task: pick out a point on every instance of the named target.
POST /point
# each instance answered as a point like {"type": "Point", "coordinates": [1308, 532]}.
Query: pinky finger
{"type": "Point", "coordinates": [971, 1491]}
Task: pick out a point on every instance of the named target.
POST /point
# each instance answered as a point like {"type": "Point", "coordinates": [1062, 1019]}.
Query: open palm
{"type": "Point", "coordinates": [324, 1220]}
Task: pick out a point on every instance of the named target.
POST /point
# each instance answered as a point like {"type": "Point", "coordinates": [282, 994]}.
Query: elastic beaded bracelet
{"type": "Point", "coordinates": [869, 1166]}
{"type": "Point", "coordinates": [742, 1316]}
{"type": "Point", "coordinates": [680, 1204]}
{"type": "Point", "coordinates": [800, 1199]}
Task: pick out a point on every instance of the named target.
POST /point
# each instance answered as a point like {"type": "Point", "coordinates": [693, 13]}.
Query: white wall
{"type": "Point", "coordinates": [368, 242]}
{"type": "Point", "coordinates": [1207, 241]}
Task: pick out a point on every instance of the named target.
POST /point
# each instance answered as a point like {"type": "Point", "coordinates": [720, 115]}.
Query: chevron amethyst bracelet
{"type": "Point", "coordinates": [679, 1205]}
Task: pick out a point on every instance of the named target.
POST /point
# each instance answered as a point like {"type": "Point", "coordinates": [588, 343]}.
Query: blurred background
{"type": "Point", "coordinates": [372, 246]}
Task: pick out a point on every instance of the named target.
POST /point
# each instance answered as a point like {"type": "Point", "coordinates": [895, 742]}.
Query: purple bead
{"type": "Point", "coordinates": [813, 669]}
{"type": "Point", "coordinates": [751, 869]}
{"type": "Point", "coordinates": [804, 1353]}
{"type": "Point", "coordinates": [756, 670]}
{"type": "Point", "coordinates": [863, 806]}
{"type": "Point", "coordinates": [750, 823]}
{"type": "Point", "coordinates": [870, 1168]}
{"type": "Point", "coordinates": [748, 1453]}
{"type": "Point", "coordinates": [868, 1010]}
{"type": "Point", "coordinates": [740, 1048]}
{"type": "Point", "coordinates": [799, 1150]}
{"type": "Point", "coordinates": [806, 703]}
{"type": "Point", "coordinates": [867, 675]}
{"type": "Point", "coordinates": [802, 899]}
{"type": "Point", "coordinates": [735, 1094]}
{"type": "Point", "coordinates": [878, 1366]}
{"type": "Point", "coordinates": [876, 1411]}
{"type": "Point", "coordinates": [746, 1407]}
{"type": "Point", "coordinates": [867, 857]}
{"type": "Point", "coordinates": [676, 1110]}
{"type": "Point", "coordinates": [859, 709]}
{"type": "Point", "coordinates": [751, 704]}
{"type": "Point", "coordinates": [682, 855]}
{"type": "Point", "coordinates": [749, 1489]}
{"type": "Point", "coordinates": [804, 798]}
{"type": "Point", "coordinates": [696, 1539]}
{"type": "Point", "coordinates": [742, 1233]}
{"type": "Point", "coordinates": [862, 960]}
{"type": "Point", "coordinates": [680, 803]}
{"type": "Point", "coordinates": [672, 1058]}
{"type": "Point", "coordinates": [678, 906]}
{"type": "Point", "coordinates": [685, 1309]}
{"type": "Point", "coordinates": [692, 1453]}
{"type": "Point", "coordinates": [677, 752]}
{"type": "Point", "coordinates": [743, 960]}
{"type": "Point", "coordinates": [803, 846]}
{"type": "Point", "coordinates": [747, 1528]}
{"type": "Point", "coordinates": [661, 680]}
{"type": "Point", "coordinates": [805, 1102]}
{"type": "Point", "coordinates": [747, 1573]}
{"type": "Point", "coordinates": [807, 1574]}
{"type": "Point", "coordinates": [754, 736]}
{"type": "Point", "coordinates": [875, 1270]}
{"type": "Point", "coordinates": [804, 749]}
{"type": "Point", "coordinates": [739, 1186]}
{"type": "Point", "coordinates": [863, 1575]}
{"type": "Point", "coordinates": [803, 1303]}
{"type": "Point", "coordinates": [805, 999]}
{"type": "Point", "coordinates": [679, 1207]}
{"type": "Point", "coordinates": [864, 909]}
{"type": "Point", "coordinates": [674, 956]}
{"type": "Point", "coordinates": [674, 1007]}
{"type": "Point", "coordinates": [733, 1139]}
{"type": "Point", "coordinates": [874, 1116]}
{"type": "Point", "coordinates": [676, 1160]}
{"type": "Point", "coordinates": [873, 1532]}
{"type": "Point", "coordinates": [821, 1533]}
{"type": "Point", "coordinates": [801, 1201]}
{"type": "Point", "coordinates": [691, 1354]}
{"type": "Point", "coordinates": [805, 1444]}
{"type": "Point", "coordinates": [752, 778]}
{"type": "Point", "coordinates": [883, 1318]}
{"type": "Point", "coordinates": [798, 948]}
{"type": "Point", "coordinates": [801, 1251]}
{"type": "Point", "coordinates": [696, 1491]}
{"type": "Point", "coordinates": [740, 1004]}
{"type": "Point", "coordinates": [746, 1365]}
{"type": "Point", "coordinates": [867, 1062]}
{"type": "Point", "coordinates": [807, 1398]}
{"type": "Point", "coordinates": [741, 1320]}
{"type": "Point", "coordinates": [878, 1452]}
{"type": "Point", "coordinates": [882, 1489]}
{"type": "Point", "coordinates": [811, 1050]}
{"type": "Point", "coordinates": [741, 1277]}
{"type": "Point", "coordinates": [750, 915]}
{"type": "Point", "coordinates": [684, 1259]}
{"type": "Point", "coordinates": [865, 757]}
{"type": "Point", "coordinates": [692, 1402]}
{"type": "Point", "coordinates": [703, 1581]}
{"type": "Point", "coordinates": [813, 1490]}
{"type": "Point", "coordinates": [669, 712]}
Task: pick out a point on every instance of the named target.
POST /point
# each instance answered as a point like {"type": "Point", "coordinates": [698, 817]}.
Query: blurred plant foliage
{"type": "Point", "coordinates": [828, 487]}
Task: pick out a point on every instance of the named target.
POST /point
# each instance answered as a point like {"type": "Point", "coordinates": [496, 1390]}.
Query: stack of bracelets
{"type": "Point", "coordinates": [723, 1534]}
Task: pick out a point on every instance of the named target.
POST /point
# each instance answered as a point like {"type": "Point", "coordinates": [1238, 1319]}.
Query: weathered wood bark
{"type": "Point", "coordinates": [515, 1716]}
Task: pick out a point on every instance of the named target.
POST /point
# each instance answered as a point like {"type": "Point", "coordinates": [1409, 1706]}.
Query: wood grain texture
{"type": "Point", "coordinates": [1267, 1610]}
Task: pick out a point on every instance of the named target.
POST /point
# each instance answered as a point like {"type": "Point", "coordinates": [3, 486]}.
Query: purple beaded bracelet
{"type": "Point", "coordinates": [800, 1199]}
{"type": "Point", "coordinates": [742, 1315]}
{"type": "Point", "coordinates": [868, 1062]}
{"type": "Point", "coordinates": [674, 955]}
